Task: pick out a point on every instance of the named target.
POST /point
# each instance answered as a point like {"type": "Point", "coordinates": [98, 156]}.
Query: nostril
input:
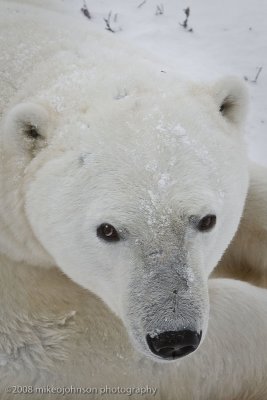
{"type": "Point", "coordinates": [174, 344]}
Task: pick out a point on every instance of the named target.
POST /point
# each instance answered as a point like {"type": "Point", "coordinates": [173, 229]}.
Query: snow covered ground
{"type": "Point", "coordinates": [229, 37]}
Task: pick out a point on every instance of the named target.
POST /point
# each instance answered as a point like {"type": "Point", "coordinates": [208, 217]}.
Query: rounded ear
{"type": "Point", "coordinates": [231, 97]}
{"type": "Point", "coordinates": [25, 129]}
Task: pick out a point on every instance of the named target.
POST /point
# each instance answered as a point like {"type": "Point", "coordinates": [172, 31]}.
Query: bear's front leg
{"type": "Point", "coordinates": [246, 257]}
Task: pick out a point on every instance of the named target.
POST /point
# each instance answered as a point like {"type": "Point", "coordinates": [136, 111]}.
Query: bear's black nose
{"type": "Point", "coordinates": [171, 345]}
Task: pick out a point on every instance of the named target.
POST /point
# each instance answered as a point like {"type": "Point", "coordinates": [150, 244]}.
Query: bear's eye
{"type": "Point", "coordinates": [207, 223]}
{"type": "Point", "coordinates": [222, 108]}
{"type": "Point", "coordinates": [107, 232]}
{"type": "Point", "coordinates": [226, 106]}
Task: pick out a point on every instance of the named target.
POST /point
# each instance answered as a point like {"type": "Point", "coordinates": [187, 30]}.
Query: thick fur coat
{"type": "Point", "coordinates": [93, 132]}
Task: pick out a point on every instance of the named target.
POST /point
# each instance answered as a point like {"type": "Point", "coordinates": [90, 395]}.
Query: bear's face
{"type": "Point", "coordinates": [139, 210]}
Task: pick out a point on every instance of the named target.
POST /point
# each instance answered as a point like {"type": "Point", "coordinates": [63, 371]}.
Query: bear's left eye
{"type": "Point", "coordinates": [107, 232]}
{"type": "Point", "coordinates": [207, 223]}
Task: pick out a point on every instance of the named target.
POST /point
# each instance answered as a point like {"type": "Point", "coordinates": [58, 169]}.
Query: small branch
{"type": "Point", "coordinates": [159, 9]}
{"type": "Point", "coordinates": [85, 11]}
{"type": "Point", "coordinates": [107, 22]}
{"type": "Point", "coordinates": [256, 77]}
{"type": "Point", "coordinates": [185, 23]}
{"type": "Point", "coordinates": [187, 13]}
{"type": "Point", "coordinates": [141, 4]}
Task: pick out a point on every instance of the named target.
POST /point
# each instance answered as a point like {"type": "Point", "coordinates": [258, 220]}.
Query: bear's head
{"type": "Point", "coordinates": [135, 197]}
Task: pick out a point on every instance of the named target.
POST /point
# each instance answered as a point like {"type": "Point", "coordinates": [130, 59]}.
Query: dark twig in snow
{"type": "Point", "coordinates": [185, 23]}
{"type": "Point", "coordinates": [85, 11]}
{"type": "Point", "coordinates": [107, 21]}
{"type": "Point", "coordinates": [187, 13]}
{"type": "Point", "coordinates": [256, 77]}
{"type": "Point", "coordinates": [141, 4]}
{"type": "Point", "coordinates": [159, 9]}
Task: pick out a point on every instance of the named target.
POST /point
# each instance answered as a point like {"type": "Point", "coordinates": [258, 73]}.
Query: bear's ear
{"type": "Point", "coordinates": [25, 129]}
{"type": "Point", "coordinates": [231, 98]}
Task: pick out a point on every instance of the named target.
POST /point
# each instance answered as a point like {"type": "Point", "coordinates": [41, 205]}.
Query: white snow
{"type": "Point", "coordinates": [228, 38]}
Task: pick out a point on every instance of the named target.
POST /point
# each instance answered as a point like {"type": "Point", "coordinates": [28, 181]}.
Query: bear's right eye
{"type": "Point", "coordinates": [107, 232]}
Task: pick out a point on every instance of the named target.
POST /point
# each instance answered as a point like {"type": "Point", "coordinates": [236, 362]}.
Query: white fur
{"type": "Point", "coordinates": [118, 142]}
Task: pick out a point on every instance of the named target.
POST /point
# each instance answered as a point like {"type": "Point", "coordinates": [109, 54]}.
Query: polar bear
{"type": "Point", "coordinates": [246, 256]}
{"type": "Point", "coordinates": [121, 188]}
